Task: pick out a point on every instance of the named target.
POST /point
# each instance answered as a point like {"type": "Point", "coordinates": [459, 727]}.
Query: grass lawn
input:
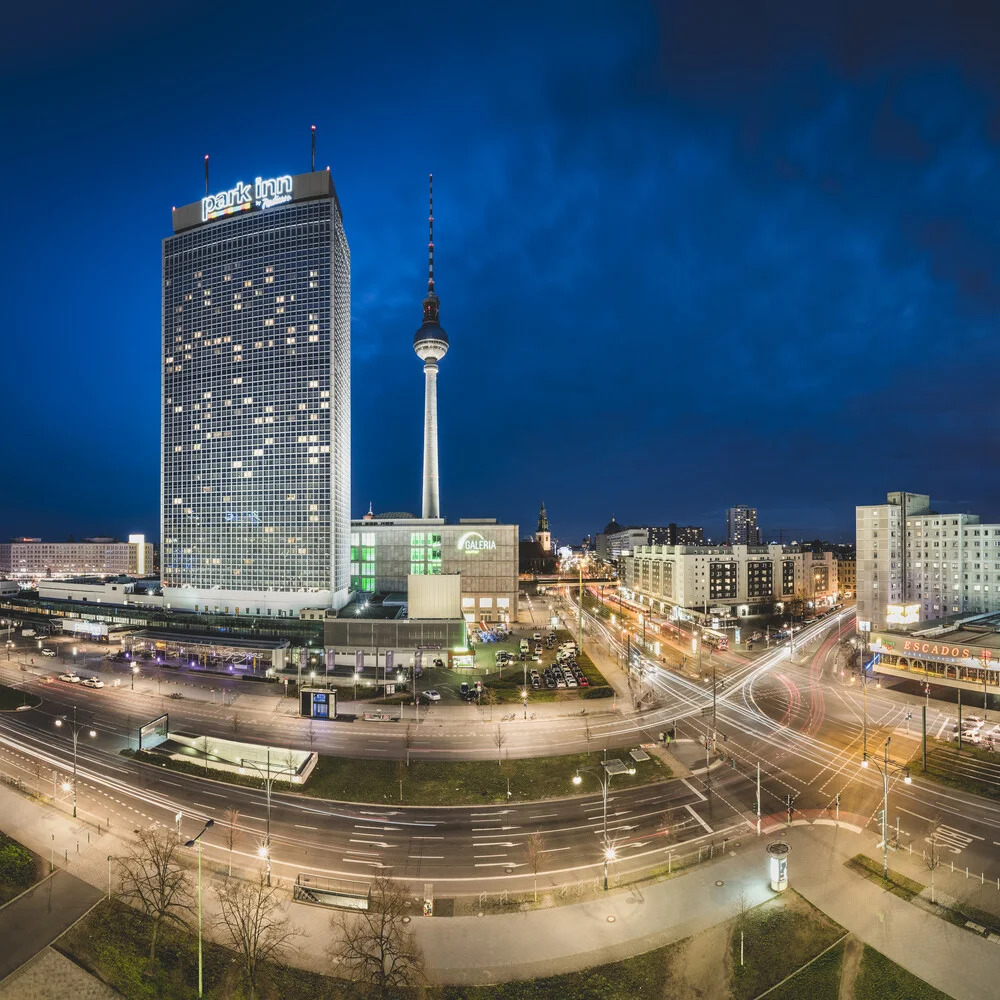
{"type": "Point", "coordinates": [819, 981]}
{"type": "Point", "coordinates": [898, 885]}
{"type": "Point", "coordinates": [113, 941]}
{"type": "Point", "coordinates": [11, 699]}
{"type": "Point", "coordinates": [942, 759]}
{"type": "Point", "coordinates": [438, 783]}
{"type": "Point", "coordinates": [781, 936]}
{"type": "Point", "coordinates": [19, 868]}
{"type": "Point", "coordinates": [881, 979]}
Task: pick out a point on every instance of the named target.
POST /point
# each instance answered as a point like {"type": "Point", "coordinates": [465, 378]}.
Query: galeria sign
{"type": "Point", "coordinates": [263, 193]}
{"type": "Point", "coordinates": [472, 541]}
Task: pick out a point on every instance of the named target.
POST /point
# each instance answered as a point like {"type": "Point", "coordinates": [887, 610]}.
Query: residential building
{"type": "Point", "coordinates": [743, 580]}
{"type": "Point", "coordinates": [616, 540]}
{"type": "Point", "coordinates": [741, 525]}
{"type": "Point", "coordinates": [947, 564]}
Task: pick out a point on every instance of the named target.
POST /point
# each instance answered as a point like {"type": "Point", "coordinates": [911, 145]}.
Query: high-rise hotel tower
{"type": "Point", "coordinates": [256, 414]}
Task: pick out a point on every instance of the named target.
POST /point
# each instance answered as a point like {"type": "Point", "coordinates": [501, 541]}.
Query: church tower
{"type": "Point", "coordinates": [542, 536]}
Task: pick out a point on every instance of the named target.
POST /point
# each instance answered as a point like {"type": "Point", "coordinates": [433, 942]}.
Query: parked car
{"type": "Point", "coordinates": [92, 682]}
{"type": "Point", "coordinates": [69, 678]}
{"type": "Point", "coordinates": [584, 683]}
{"type": "Point", "coordinates": [431, 695]}
{"type": "Point", "coordinates": [537, 637]}
{"type": "Point", "coordinates": [463, 689]}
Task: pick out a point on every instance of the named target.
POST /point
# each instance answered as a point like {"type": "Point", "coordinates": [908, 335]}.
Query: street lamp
{"type": "Point", "coordinates": [269, 778]}
{"type": "Point", "coordinates": [76, 737]}
{"type": "Point", "coordinates": [264, 853]}
{"type": "Point", "coordinates": [192, 843]}
{"type": "Point", "coordinates": [135, 670]}
{"type": "Point", "coordinates": [609, 851]}
{"type": "Point", "coordinates": [887, 769]}
{"type": "Point", "coordinates": [524, 700]}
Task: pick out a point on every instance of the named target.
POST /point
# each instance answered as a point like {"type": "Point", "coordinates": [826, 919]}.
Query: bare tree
{"type": "Point", "coordinates": [587, 734]}
{"type": "Point", "coordinates": [373, 946]}
{"type": "Point", "coordinates": [408, 738]}
{"type": "Point", "coordinates": [491, 700]}
{"type": "Point", "coordinates": [232, 833]}
{"type": "Point", "coordinates": [742, 914]}
{"type": "Point", "coordinates": [255, 921]}
{"type": "Point", "coordinates": [932, 856]}
{"type": "Point", "coordinates": [499, 739]}
{"type": "Point", "coordinates": [312, 735]}
{"type": "Point", "coordinates": [236, 721]}
{"type": "Point", "coordinates": [534, 848]}
{"type": "Point", "coordinates": [152, 878]}
{"type": "Point", "coordinates": [207, 749]}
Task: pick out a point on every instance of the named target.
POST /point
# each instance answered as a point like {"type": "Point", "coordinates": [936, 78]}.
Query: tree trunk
{"type": "Point", "coordinates": [152, 943]}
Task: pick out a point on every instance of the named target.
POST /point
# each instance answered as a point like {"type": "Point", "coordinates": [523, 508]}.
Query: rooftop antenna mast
{"type": "Point", "coordinates": [206, 175]}
{"type": "Point", "coordinates": [314, 149]}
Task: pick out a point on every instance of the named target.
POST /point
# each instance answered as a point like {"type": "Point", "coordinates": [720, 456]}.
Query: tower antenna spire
{"type": "Point", "coordinates": [430, 234]}
{"type": "Point", "coordinates": [431, 344]}
{"type": "Point", "coordinates": [206, 175]}
{"type": "Point", "coordinates": [314, 149]}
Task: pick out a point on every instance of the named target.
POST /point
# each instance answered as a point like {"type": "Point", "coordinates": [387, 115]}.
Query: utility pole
{"type": "Point", "coordinates": [959, 718]}
{"type": "Point", "coordinates": [758, 798]}
{"type": "Point", "coordinates": [924, 753]}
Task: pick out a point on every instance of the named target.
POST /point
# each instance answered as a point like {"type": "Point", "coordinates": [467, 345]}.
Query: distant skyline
{"type": "Point", "coordinates": [688, 255]}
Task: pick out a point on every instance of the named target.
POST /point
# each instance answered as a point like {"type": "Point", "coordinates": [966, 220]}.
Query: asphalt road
{"type": "Point", "coordinates": [801, 721]}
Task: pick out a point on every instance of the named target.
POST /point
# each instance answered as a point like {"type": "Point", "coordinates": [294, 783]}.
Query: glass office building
{"type": "Point", "coordinates": [256, 401]}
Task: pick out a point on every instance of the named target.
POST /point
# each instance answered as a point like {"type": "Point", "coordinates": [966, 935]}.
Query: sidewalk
{"type": "Point", "coordinates": [37, 917]}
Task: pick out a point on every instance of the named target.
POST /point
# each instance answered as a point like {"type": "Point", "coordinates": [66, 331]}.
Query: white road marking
{"type": "Point", "coordinates": [299, 826]}
{"type": "Point", "coordinates": [698, 818]}
{"type": "Point", "coordinates": [687, 784]}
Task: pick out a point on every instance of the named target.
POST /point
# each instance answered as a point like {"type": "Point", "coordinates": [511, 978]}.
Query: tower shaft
{"type": "Point", "coordinates": [431, 506]}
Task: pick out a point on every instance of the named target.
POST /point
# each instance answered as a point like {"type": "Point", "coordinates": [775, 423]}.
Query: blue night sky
{"type": "Point", "coordinates": [689, 254]}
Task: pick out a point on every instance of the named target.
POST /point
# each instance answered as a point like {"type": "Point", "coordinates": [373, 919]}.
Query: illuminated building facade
{"type": "Point", "coordinates": [256, 418]}
{"type": "Point", "coordinates": [387, 549]}
{"type": "Point", "coordinates": [949, 563]}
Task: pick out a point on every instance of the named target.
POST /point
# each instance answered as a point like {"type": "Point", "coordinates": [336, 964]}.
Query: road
{"type": "Point", "coordinates": [799, 720]}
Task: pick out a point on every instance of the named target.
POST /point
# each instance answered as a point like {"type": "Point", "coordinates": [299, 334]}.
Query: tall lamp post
{"type": "Point", "coordinates": [887, 769]}
{"type": "Point", "coordinates": [270, 776]}
{"type": "Point", "coordinates": [76, 730]}
{"type": "Point", "coordinates": [192, 843]}
{"type": "Point", "coordinates": [605, 779]}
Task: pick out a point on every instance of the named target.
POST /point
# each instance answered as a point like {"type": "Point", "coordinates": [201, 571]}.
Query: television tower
{"type": "Point", "coordinates": [430, 343]}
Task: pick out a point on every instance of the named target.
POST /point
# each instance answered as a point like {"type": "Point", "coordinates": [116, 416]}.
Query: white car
{"type": "Point", "coordinates": [69, 678]}
{"type": "Point", "coordinates": [92, 682]}
{"type": "Point", "coordinates": [432, 695]}
{"type": "Point", "coordinates": [48, 652]}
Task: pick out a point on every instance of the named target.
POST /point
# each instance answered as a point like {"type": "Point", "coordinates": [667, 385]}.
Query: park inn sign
{"type": "Point", "coordinates": [262, 193]}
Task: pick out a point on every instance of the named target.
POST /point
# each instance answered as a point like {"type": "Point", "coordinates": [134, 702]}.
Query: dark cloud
{"type": "Point", "coordinates": [688, 255]}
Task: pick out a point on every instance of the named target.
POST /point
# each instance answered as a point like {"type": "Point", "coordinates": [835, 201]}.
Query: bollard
{"type": "Point", "coordinates": [711, 851]}
{"type": "Point", "coordinates": [670, 859]}
{"type": "Point", "coordinates": [982, 879]}
{"type": "Point", "coordinates": [88, 836]}
{"type": "Point", "coordinates": [953, 867]}
{"type": "Point", "coordinates": [66, 855]}
{"type": "Point", "coordinates": [699, 855]}
{"type": "Point", "coordinates": [78, 847]}
{"type": "Point", "coordinates": [966, 871]}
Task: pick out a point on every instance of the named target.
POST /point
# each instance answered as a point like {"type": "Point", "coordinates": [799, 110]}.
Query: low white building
{"type": "Point", "coordinates": [31, 559]}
